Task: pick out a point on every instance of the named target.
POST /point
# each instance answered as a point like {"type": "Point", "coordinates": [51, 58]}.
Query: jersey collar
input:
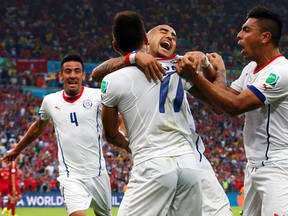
{"type": "Point", "coordinates": [257, 69]}
{"type": "Point", "coordinates": [72, 99]}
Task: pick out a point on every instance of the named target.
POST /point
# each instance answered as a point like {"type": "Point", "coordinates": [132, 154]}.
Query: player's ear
{"type": "Point", "coordinates": [146, 40]}
{"type": "Point", "coordinates": [115, 46]}
{"type": "Point", "coordinates": [266, 37]}
{"type": "Point", "coordinates": [83, 75]}
{"type": "Point", "coordinates": [60, 75]}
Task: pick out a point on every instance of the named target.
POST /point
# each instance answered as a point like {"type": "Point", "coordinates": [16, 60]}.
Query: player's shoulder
{"type": "Point", "coordinates": [123, 74]}
{"type": "Point", "coordinates": [52, 97]}
{"type": "Point", "coordinates": [91, 90]}
{"type": "Point", "coordinates": [278, 67]}
{"type": "Point", "coordinates": [91, 93]}
{"type": "Point", "coordinates": [281, 62]}
{"type": "Point", "coordinates": [54, 94]}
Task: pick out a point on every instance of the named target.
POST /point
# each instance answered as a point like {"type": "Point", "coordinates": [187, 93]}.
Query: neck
{"type": "Point", "coordinates": [267, 56]}
{"type": "Point", "coordinates": [72, 95]}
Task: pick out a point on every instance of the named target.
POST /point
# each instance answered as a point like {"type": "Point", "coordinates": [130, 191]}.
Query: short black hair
{"type": "Point", "coordinates": [72, 57]}
{"type": "Point", "coordinates": [268, 21]}
{"type": "Point", "coordinates": [128, 30]}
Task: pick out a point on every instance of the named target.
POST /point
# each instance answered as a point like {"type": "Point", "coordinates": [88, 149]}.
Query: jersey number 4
{"type": "Point", "coordinates": [73, 118]}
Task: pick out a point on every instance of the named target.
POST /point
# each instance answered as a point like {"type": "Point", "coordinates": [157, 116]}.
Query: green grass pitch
{"type": "Point", "coordinates": [62, 211]}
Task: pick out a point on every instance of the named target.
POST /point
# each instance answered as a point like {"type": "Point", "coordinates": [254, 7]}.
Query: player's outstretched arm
{"type": "Point", "coordinates": [152, 68]}
{"type": "Point", "coordinates": [201, 62]}
{"type": "Point", "coordinates": [107, 67]}
{"type": "Point", "coordinates": [33, 132]}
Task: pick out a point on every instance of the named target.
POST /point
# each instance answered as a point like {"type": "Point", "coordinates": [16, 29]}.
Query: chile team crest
{"type": "Point", "coordinates": [87, 104]}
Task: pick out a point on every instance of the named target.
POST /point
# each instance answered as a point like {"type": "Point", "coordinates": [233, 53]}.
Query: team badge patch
{"type": "Point", "coordinates": [87, 104]}
{"type": "Point", "coordinates": [104, 85]}
{"type": "Point", "coordinates": [272, 79]}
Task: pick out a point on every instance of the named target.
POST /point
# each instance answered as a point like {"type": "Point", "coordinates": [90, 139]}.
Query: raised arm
{"type": "Point", "coordinates": [201, 62]}
{"type": "Point", "coordinates": [152, 68]}
{"type": "Point", "coordinates": [33, 132]}
{"type": "Point", "coordinates": [107, 67]}
{"type": "Point", "coordinates": [211, 65]}
{"type": "Point", "coordinates": [230, 102]}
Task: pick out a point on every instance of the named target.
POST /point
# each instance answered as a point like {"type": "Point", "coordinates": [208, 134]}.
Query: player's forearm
{"type": "Point", "coordinates": [209, 72]}
{"type": "Point", "coordinates": [198, 94]}
{"type": "Point", "coordinates": [107, 67]}
{"type": "Point", "coordinates": [33, 132]}
{"type": "Point", "coordinates": [220, 79]}
{"type": "Point", "coordinates": [219, 98]}
{"type": "Point", "coordinates": [118, 140]}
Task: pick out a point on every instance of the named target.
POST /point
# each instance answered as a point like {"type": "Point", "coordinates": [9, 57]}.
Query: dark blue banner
{"type": "Point", "coordinates": [56, 200]}
{"type": "Point", "coordinates": [51, 200]}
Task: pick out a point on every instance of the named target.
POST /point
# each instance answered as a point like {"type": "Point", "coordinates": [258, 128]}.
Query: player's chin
{"type": "Point", "coordinates": [165, 53]}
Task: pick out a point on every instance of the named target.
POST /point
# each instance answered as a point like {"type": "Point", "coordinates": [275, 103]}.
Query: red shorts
{"type": "Point", "coordinates": [18, 192]}
{"type": "Point", "coordinates": [4, 191]}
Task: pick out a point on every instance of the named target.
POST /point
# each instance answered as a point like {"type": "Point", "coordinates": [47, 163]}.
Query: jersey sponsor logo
{"type": "Point", "coordinates": [104, 85]}
{"type": "Point", "coordinates": [272, 79]}
{"type": "Point", "coordinates": [87, 104]}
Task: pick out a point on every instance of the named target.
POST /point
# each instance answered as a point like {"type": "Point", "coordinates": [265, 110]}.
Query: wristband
{"type": "Point", "coordinates": [205, 63]}
{"type": "Point", "coordinates": [127, 62]}
{"type": "Point", "coordinates": [130, 58]}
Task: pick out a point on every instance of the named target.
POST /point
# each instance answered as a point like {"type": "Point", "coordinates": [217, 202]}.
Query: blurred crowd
{"type": "Point", "coordinates": [45, 29]}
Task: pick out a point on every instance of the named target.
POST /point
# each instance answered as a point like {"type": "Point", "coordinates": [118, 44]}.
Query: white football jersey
{"type": "Point", "coordinates": [78, 129]}
{"type": "Point", "coordinates": [266, 128]}
{"type": "Point", "coordinates": [154, 114]}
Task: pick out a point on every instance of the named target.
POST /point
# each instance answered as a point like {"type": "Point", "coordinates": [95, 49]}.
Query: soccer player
{"type": "Point", "coordinates": [14, 193]}
{"type": "Point", "coordinates": [4, 184]}
{"type": "Point", "coordinates": [164, 178]}
{"type": "Point", "coordinates": [76, 113]}
{"type": "Point", "coordinates": [261, 92]}
{"type": "Point", "coordinates": [215, 202]}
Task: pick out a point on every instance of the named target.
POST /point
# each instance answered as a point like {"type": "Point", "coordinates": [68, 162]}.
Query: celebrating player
{"type": "Point", "coordinates": [4, 184]}
{"type": "Point", "coordinates": [261, 92]}
{"type": "Point", "coordinates": [76, 113]}
{"type": "Point", "coordinates": [14, 193]}
{"type": "Point", "coordinates": [164, 177]}
{"type": "Point", "coordinates": [215, 201]}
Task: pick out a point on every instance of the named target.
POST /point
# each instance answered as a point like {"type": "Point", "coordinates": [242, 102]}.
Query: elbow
{"type": "Point", "coordinates": [233, 111]}
{"type": "Point", "coordinates": [95, 77]}
{"type": "Point", "coordinates": [232, 114]}
{"type": "Point", "coordinates": [110, 139]}
{"type": "Point", "coordinates": [217, 111]}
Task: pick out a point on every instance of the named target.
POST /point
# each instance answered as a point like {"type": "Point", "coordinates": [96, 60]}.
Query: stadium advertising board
{"type": "Point", "coordinates": [51, 200]}
{"type": "Point", "coordinates": [56, 200]}
{"type": "Point", "coordinates": [54, 66]}
{"type": "Point", "coordinates": [31, 65]}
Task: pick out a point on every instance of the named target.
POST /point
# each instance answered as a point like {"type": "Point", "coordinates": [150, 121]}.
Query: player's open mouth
{"type": "Point", "coordinates": [72, 83]}
{"type": "Point", "coordinates": [242, 47]}
{"type": "Point", "coordinates": [166, 45]}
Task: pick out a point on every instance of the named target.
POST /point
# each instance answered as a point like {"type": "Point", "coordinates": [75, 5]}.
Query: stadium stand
{"type": "Point", "coordinates": [45, 30]}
